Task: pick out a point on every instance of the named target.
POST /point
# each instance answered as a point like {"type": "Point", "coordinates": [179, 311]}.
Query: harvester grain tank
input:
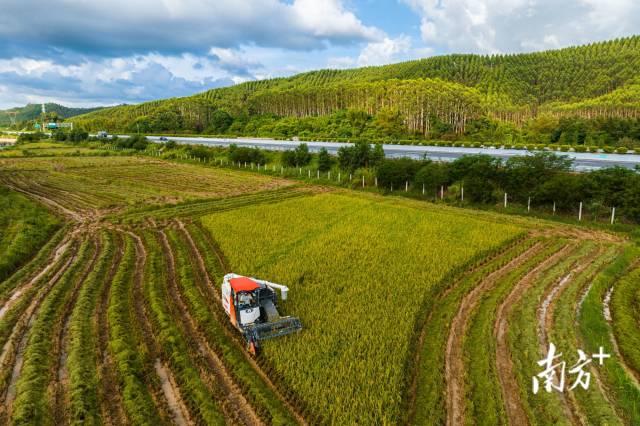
{"type": "Point", "coordinates": [250, 304]}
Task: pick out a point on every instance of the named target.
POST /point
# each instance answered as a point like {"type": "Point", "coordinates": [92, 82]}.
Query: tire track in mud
{"type": "Point", "coordinates": [454, 361]}
{"type": "Point", "coordinates": [411, 393]}
{"type": "Point", "coordinates": [111, 406]}
{"type": "Point", "coordinates": [214, 295]}
{"type": "Point", "coordinates": [13, 350]}
{"type": "Point", "coordinates": [509, 385]}
{"type": "Point", "coordinates": [52, 204]}
{"type": "Point", "coordinates": [60, 383]}
{"type": "Point", "coordinates": [545, 323]}
{"type": "Point", "coordinates": [606, 312]}
{"type": "Point", "coordinates": [20, 290]}
{"type": "Point", "coordinates": [238, 406]}
{"type": "Point", "coordinates": [170, 391]}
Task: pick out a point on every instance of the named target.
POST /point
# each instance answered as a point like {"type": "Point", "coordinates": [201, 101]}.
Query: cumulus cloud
{"type": "Point", "coordinates": [501, 26]}
{"type": "Point", "coordinates": [385, 51]}
{"type": "Point", "coordinates": [105, 82]}
{"type": "Point", "coordinates": [170, 27]}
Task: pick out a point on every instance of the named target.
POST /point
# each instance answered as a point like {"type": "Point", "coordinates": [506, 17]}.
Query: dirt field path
{"type": "Point", "coordinates": [238, 407]}
{"type": "Point", "coordinates": [545, 324]}
{"type": "Point", "coordinates": [12, 356]}
{"type": "Point", "coordinates": [21, 289]}
{"type": "Point", "coordinates": [170, 391]}
{"type": "Point", "coordinates": [606, 312]}
{"type": "Point", "coordinates": [111, 406]}
{"type": "Point", "coordinates": [212, 290]}
{"type": "Point", "coordinates": [60, 384]}
{"type": "Point", "coordinates": [505, 369]}
{"type": "Point", "coordinates": [454, 362]}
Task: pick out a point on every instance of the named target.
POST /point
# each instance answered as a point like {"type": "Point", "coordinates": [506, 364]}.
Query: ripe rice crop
{"type": "Point", "coordinates": [360, 271]}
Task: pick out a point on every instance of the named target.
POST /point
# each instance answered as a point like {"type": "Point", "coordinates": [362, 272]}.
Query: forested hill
{"type": "Point", "coordinates": [433, 95]}
{"type": "Point", "coordinates": [33, 111]}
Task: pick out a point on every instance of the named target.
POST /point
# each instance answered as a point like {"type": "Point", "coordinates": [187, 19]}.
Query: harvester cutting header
{"type": "Point", "coordinates": [251, 306]}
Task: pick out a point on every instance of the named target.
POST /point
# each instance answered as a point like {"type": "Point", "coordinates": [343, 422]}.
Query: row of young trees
{"type": "Point", "coordinates": [544, 179]}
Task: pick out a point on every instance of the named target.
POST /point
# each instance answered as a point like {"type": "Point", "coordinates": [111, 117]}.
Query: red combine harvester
{"type": "Point", "coordinates": [251, 306]}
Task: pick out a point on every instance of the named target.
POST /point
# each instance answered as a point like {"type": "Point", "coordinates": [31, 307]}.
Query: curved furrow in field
{"type": "Point", "coordinates": [610, 315]}
{"type": "Point", "coordinates": [52, 204]}
{"type": "Point", "coordinates": [58, 386]}
{"type": "Point", "coordinates": [237, 407]}
{"type": "Point", "coordinates": [60, 196]}
{"type": "Point", "coordinates": [17, 292]}
{"type": "Point", "coordinates": [11, 358]}
{"type": "Point", "coordinates": [510, 388]}
{"type": "Point", "coordinates": [454, 362]}
{"type": "Point", "coordinates": [110, 396]}
{"type": "Point", "coordinates": [425, 398]}
{"type": "Point", "coordinates": [170, 399]}
{"type": "Point", "coordinates": [210, 290]}
{"type": "Point", "coordinates": [411, 393]}
{"type": "Point", "coordinates": [593, 404]}
{"type": "Point", "coordinates": [28, 396]}
{"type": "Point", "coordinates": [546, 310]}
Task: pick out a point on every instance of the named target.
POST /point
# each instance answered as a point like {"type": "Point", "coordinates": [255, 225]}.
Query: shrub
{"type": "Point", "coordinates": [246, 155]}
{"type": "Point", "coordinates": [297, 157]}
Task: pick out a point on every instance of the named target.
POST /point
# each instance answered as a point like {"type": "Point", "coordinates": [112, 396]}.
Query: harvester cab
{"type": "Point", "coordinates": [251, 306]}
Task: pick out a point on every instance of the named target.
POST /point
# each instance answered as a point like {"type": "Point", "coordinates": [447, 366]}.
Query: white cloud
{"type": "Point", "coordinates": [504, 26]}
{"type": "Point", "coordinates": [103, 82]}
{"type": "Point", "coordinates": [340, 62]}
{"type": "Point", "coordinates": [172, 27]}
{"type": "Point", "coordinates": [385, 51]}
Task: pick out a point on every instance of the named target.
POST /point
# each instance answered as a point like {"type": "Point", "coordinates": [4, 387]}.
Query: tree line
{"type": "Point", "coordinates": [544, 180]}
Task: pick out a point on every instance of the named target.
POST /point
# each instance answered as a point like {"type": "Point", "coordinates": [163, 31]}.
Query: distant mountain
{"type": "Point", "coordinates": [596, 81]}
{"type": "Point", "coordinates": [32, 111]}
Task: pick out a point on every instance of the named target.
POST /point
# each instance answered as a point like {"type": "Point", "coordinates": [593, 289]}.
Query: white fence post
{"type": "Point", "coordinates": [441, 192]}
{"type": "Point", "coordinates": [309, 173]}
{"type": "Point", "coordinates": [339, 176]}
{"type": "Point", "coordinates": [363, 181]}
{"type": "Point", "coordinates": [462, 193]}
{"type": "Point", "coordinates": [318, 173]}
{"type": "Point", "coordinates": [580, 212]}
{"type": "Point", "coordinates": [423, 189]}
{"type": "Point", "coordinates": [505, 200]}
{"type": "Point", "coordinates": [613, 215]}
{"type": "Point", "coordinates": [376, 181]}
{"type": "Point", "coordinates": [406, 186]}
{"type": "Point", "coordinates": [529, 204]}
{"type": "Point", "coordinates": [554, 208]}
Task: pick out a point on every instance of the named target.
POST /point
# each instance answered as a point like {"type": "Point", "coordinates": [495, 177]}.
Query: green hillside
{"type": "Point", "coordinates": [521, 94]}
{"type": "Point", "coordinates": [33, 111]}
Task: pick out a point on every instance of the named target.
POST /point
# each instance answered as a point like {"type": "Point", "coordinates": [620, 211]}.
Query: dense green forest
{"type": "Point", "coordinates": [587, 95]}
{"type": "Point", "coordinates": [33, 111]}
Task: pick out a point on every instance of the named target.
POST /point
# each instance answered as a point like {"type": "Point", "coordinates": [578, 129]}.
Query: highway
{"type": "Point", "coordinates": [582, 161]}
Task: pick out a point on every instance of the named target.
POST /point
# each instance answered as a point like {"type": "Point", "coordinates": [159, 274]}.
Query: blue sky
{"type": "Point", "coordinates": [99, 52]}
